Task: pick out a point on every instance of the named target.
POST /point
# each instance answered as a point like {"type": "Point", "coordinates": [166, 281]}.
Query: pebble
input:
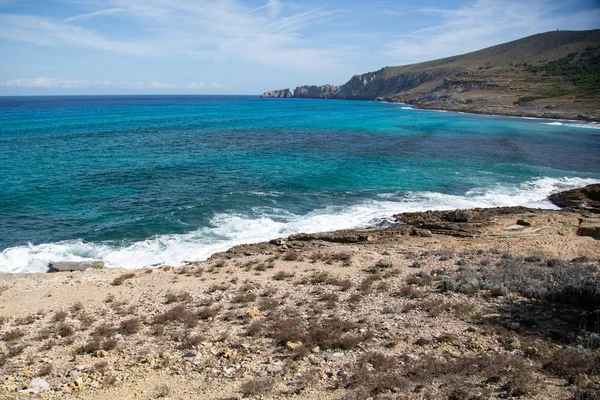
{"type": "Point", "coordinates": [293, 345]}
{"type": "Point", "coordinates": [255, 312]}
{"type": "Point", "coordinates": [38, 385]}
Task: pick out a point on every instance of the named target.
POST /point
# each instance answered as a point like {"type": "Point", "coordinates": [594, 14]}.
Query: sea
{"type": "Point", "coordinates": [143, 181]}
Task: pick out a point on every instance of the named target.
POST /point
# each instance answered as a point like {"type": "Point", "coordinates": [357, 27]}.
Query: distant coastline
{"type": "Point", "coordinates": [554, 75]}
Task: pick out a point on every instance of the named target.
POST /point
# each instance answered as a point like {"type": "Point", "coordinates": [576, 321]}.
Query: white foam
{"type": "Point", "coordinates": [227, 230]}
{"type": "Point", "coordinates": [575, 124]}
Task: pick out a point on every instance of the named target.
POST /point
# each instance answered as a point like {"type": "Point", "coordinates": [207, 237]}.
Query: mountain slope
{"type": "Point", "coordinates": [553, 74]}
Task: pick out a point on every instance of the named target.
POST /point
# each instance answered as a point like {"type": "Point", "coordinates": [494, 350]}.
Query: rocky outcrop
{"type": "Point", "coordinates": [587, 198]}
{"type": "Point", "coordinates": [460, 223]}
{"type": "Point", "coordinates": [277, 94]}
{"type": "Point", "coordinates": [315, 92]}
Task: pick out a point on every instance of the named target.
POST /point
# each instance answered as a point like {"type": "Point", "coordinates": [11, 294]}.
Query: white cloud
{"type": "Point", "coordinates": [483, 24]}
{"type": "Point", "coordinates": [57, 83]}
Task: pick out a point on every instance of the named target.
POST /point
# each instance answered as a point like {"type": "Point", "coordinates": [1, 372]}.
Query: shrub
{"type": "Point", "coordinates": [258, 386]}
{"type": "Point", "coordinates": [104, 330]}
{"type": "Point", "coordinates": [162, 391]}
{"type": "Point", "coordinates": [179, 314]}
{"type": "Point", "coordinates": [46, 369]}
{"type": "Point", "coordinates": [130, 326]}
{"type": "Point", "coordinates": [384, 264]}
{"type": "Point", "coordinates": [533, 258]}
{"type": "Point", "coordinates": [292, 256]}
{"type": "Point", "coordinates": [571, 363]}
{"type": "Point", "coordinates": [95, 344]}
{"type": "Point", "coordinates": [281, 275]}
{"type": "Point", "coordinates": [65, 330]}
{"type": "Point", "coordinates": [13, 335]}
{"type": "Point", "coordinates": [59, 316]}
{"type": "Point", "coordinates": [343, 284]}
{"type": "Point", "coordinates": [244, 298]}
{"type": "Point", "coordinates": [177, 297]}
{"type": "Point", "coordinates": [208, 312]}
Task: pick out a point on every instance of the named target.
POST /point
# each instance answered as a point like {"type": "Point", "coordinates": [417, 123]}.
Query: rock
{"type": "Point", "coordinates": [421, 232]}
{"type": "Point", "coordinates": [255, 312]}
{"type": "Point", "coordinates": [408, 358]}
{"type": "Point", "coordinates": [101, 353]}
{"type": "Point", "coordinates": [73, 373]}
{"type": "Point", "coordinates": [277, 94]}
{"type": "Point", "coordinates": [524, 222]}
{"type": "Point", "coordinates": [587, 198]}
{"type": "Point", "coordinates": [278, 242]}
{"type": "Point", "coordinates": [68, 266]}
{"type": "Point", "coordinates": [165, 354]}
{"type": "Point", "coordinates": [190, 355]}
{"type": "Point", "coordinates": [38, 385]}
{"type": "Point", "coordinates": [274, 368]}
{"type": "Point", "coordinates": [514, 326]}
{"type": "Point", "coordinates": [458, 223]}
{"type": "Point", "coordinates": [316, 349]}
{"type": "Point", "coordinates": [589, 227]}
{"type": "Point", "coordinates": [293, 345]}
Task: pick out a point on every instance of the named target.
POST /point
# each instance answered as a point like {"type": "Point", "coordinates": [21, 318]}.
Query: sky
{"type": "Point", "coordinates": [73, 47]}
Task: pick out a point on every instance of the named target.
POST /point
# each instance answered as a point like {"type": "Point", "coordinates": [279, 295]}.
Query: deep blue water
{"type": "Point", "coordinates": [138, 180]}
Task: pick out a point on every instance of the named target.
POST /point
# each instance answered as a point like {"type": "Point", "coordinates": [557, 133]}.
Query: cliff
{"type": "Point", "coordinates": [304, 92]}
{"type": "Point", "coordinates": [315, 92]}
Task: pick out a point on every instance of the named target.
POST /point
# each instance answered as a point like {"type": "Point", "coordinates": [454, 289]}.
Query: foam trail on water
{"type": "Point", "coordinates": [227, 230]}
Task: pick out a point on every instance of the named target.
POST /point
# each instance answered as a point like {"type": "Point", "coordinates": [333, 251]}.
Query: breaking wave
{"type": "Point", "coordinates": [227, 230]}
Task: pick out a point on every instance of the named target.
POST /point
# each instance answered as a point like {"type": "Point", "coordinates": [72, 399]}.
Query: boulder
{"type": "Point", "coordinates": [67, 266]}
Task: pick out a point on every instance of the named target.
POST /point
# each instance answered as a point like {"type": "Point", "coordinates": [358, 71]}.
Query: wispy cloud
{"type": "Point", "coordinates": [108, 11]}
{"type": "Point", "coordinates": [482, 24]}
{"type": "Point", "coordinates": [58, 83]}
{"type": "Point", "coordinates": [214, 29]}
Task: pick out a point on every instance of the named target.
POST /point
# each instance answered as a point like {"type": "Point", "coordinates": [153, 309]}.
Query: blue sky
{"type": "Point", "coordinates": [248, 46]}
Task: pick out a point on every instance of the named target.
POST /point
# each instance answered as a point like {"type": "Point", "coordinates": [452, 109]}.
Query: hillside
{"type": "Point", "coordinates": [553, 74]}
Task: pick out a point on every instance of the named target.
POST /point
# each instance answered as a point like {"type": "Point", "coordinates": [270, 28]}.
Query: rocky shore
{"type": "Point", "coordinates": [463, 304]}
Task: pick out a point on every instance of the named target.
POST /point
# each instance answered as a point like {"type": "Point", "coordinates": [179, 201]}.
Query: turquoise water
{"type": "Point", "coordinates": [143, 180]}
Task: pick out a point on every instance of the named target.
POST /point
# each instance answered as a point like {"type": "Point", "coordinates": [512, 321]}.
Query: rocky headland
{"type": "Point", "coordinates": [482, 303]}
{"type": "Point", "coordinates": [550, 75]}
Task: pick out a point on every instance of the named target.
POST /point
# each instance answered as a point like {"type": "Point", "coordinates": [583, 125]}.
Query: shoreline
{"type": "Point", "coordinates": [226, 326]}
{"type": "Point", "coordinates": [517, 114]}
{"type": "Point", "coordinates": [145, 254]}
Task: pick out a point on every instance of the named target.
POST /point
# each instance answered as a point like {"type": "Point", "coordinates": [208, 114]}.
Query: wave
{"type": "Point", "coordinates": [575, 124]}
{"type": "Point", "coordinates": [227, 230]}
